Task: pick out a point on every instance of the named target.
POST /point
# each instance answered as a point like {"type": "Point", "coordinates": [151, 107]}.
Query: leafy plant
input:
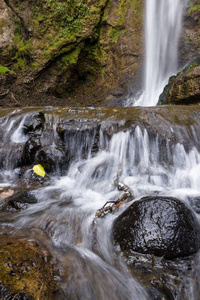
{"type": "Point", "coordinates": [4, 70]}
{"type": "Point", "coordinates": [115, 34]}
{"type": "Point", "coordinates": [194, 7]}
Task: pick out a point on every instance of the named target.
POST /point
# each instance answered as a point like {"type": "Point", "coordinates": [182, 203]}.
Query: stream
{"type": "Point", "coordinates": [152, 151]}
{"type": "Point", "coordinates": [157, 153]}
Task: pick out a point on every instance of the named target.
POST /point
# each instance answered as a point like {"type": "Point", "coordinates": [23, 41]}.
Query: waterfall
{"type": "Point", "coordinates": [163, 23]}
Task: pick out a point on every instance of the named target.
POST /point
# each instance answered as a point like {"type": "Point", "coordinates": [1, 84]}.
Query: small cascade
{"type": "Point", "coordinates": [163, 23]}
{"type": "Point", "coordinates": [91, 157]}
{"type": "Point", "coordinates": [64, 209]}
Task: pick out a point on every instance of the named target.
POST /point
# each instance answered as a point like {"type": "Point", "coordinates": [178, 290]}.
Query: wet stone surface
{"type": "Point", "coordinates": [52, 158]}
{"type": "Point", "coordinates": [162, 226]}
{"type": "Point", "coordinates": [17, 201]}
{"type": "Point", "coordinates": [26, 271]}
{"type": "Point", "coordinates": [165, 279]}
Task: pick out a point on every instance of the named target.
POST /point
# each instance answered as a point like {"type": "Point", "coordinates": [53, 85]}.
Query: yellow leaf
{"type": "Point", "coordinates": [39, 170]}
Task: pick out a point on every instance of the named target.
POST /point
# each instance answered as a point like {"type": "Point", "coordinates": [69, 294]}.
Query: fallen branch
{"type": "Point", "coordinates": [111, 206]}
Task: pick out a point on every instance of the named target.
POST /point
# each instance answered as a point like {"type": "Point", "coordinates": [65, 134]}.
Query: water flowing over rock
{"type": "Point", "coordinates": [69, 176]}
{"type": "Point", "coordinates": [163, 24]}
{"type": "Point", "coordinates": [152, 151]}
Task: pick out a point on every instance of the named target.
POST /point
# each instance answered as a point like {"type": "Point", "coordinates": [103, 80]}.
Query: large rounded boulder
{"type": "Point", "coordinates": [162, 226]}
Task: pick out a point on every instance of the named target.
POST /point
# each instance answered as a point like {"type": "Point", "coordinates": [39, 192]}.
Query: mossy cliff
{"type": "Point", "coordinates": [78, 52]}
{"type": "Point", "coordinates": [184, 88]}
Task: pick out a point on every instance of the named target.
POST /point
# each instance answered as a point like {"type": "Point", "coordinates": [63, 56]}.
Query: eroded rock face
{"type": "Point", "coordinates": [161, 226]}
{"type": "Point", "coordinates": [183, 88]}
{"type": "Point", "coordinates": [186, 88]}
{"type": "Point", "coordinates": [7, 29]}
{"type": "Point", "coordinates": [189, 47]}
{"type": "Point", "coordinates": [90, 56]}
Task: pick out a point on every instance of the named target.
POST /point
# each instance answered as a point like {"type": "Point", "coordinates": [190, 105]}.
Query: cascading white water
{"type": "Point", "coordinates": [64, 210]}
{"type": "Point", "coordinates": [163, 23]}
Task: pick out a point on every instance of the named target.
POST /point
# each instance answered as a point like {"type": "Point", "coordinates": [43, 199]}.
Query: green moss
{"type": "Point", "coordinates": [189, 68]}
{"type": "Point", "coordinates": [59, 23]}
{"type": "Point", "coordinates": [71, 58]}
{"type": "Point", "coordinates": [4, 70]}
{"type": "Point", "coordinates": [193, 7]}
{"type": "Point", "coordinates": [114, 34]}
{"type": "Point", "coordinates": [55, 25]}
{"type": "Point", "coordinates": [35, 65]}
{"type": "Point", "coordinates": [123, 8]}
{"type": "Point", "coordinates": [22, 52]}
{"type": "Point", "coordinates": [67, 15]}
{"type": "Point", "coordinates": [24, 271]}
{"type": "Point", "coordinates": [20, 64]}
{"type": "Point", "coordinates": [2, 25]}
{"type": "Point", "coordinates": [133, 4]}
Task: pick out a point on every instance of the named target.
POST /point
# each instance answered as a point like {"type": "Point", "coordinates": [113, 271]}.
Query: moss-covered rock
{"type": "Point", "coordinates": [73, 52]}
{"type": "Point", "coordinates": [183, 88]}
{"type": "Point", "coordinates": [25, 270]}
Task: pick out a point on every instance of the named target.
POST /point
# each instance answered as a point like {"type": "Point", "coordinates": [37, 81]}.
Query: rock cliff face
{"type": "Point", "coordinates": [80, 52]}
{"type": "Point", "coordinates": [70, 53]}
{"type": "Point", "coordinates": [189, 48]}
{"type": "Point", "coordinates": [184, 88]}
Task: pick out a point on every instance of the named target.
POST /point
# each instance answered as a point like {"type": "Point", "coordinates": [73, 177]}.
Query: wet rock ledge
{"type": "Point", "coordinates": [26, 271]}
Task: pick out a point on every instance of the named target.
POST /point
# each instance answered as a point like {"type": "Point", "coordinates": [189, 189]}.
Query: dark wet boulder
{"type": "Point", "coordinates": [29, 151]}
{"type": "Point", "coordinates": [34, 122]}
{"type": "Point", "coordinates": [53, 159]}
{"type": "Point", "coordinates": [162, 226]}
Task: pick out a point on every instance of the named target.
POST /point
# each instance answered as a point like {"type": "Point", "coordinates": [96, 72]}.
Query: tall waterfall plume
{"type": "Point", "coordinates": [163, 23]}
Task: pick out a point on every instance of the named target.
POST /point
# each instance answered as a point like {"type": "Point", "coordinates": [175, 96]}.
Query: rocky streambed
{"type": "Point", "coordinates": [147, 236]}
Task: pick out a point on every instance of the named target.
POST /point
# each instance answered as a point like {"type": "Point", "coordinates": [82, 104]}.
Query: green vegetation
{"type": "Point", "coordinates": [194, 7]}
{"type": "Point", "coordinates": [22, 54]}
{"type": "Point", "coordinates": [191, 67]}
{"type": "Point", "coordinates": [115, 34]}
{"type": "Point", "coordinates": [2, 24]}
{"type": "Point", "coordinates": [68, 14]}
{"type": "Point", "coordinates": [70, 59]}
{"type": "Point", "coordinates": [55, 26]}
{"type": "Point", "coordinates": [73, 39]}
{"type": "Point", "coordinates": [4, 70]}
